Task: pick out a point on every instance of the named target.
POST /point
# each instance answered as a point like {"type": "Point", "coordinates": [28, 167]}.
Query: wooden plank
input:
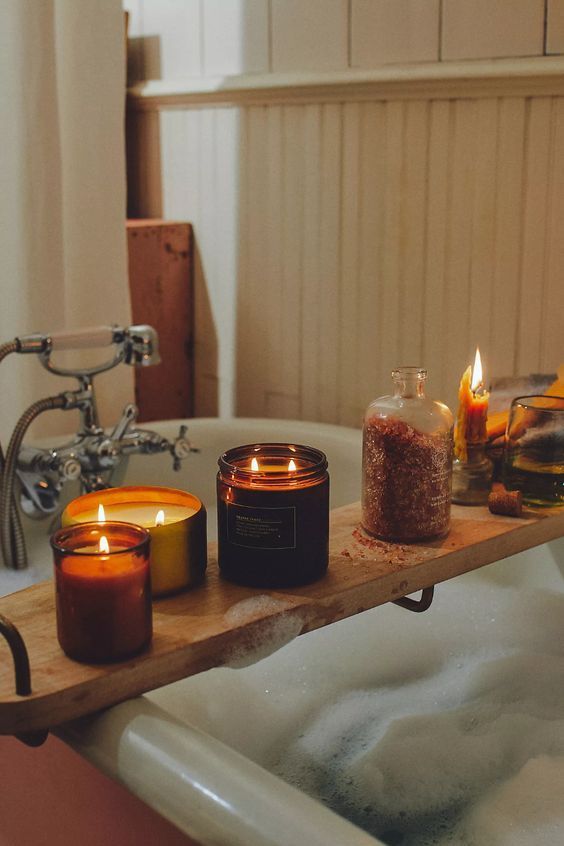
{"type": "Point", "coordinates": [160, 284]}
{"type": "Point", "coordinates": [329, 259]}
{"type": "Point", "coordinates": [320, 274]}
{"type": "Point", "coordinates": [198, 194]}
{"type": "Point", "coordinates": [228, 154]}
{"type": "Point", "coordinates": [255, 224]}
{"type": "Point", "coordinates": [414, 201]}
{"type": "Point", "coordinates": [508, 235]}
{"type": "Point", "coordinates": [455, 338]}
{"type": "Point", "coordinates": [311, 291]}
{"type": "Point", "coordinates": [144, 186]}
{"type": "Point", "coordinates": [268, 342]}
{"type": "Point", "coordinates": [535, 236]}
{"type": "Point", "coordinates": [437, 215]}
{"type": "Point", "coordinates": [482, 248]}
{"type": "Point", "coordinates": [370, 336]}
{"type": "Point", "coordinates": [393, 257]}
{"type": "Point", "coordinates": [285, 374]}
{"type": "Point", "coordinates": [552, 346]}
{"type": "Point", "coordinates": [208, 626]}
{"type": "Point", "coordinates": [349, 236]}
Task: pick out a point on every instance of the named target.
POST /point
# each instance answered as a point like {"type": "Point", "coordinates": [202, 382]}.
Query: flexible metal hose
{"type": "Point", "coordinates": [13, 543]}
{"type": "Point", "coordinates": [16, 525]}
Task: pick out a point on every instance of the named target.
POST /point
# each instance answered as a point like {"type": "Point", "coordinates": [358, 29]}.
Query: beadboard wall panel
{"type": "Point", "coordinates": [339, 240]}
{"type": "Point", "coordinates": [185, 166]}
{"type": "Point", "coordinates": [175, 39]}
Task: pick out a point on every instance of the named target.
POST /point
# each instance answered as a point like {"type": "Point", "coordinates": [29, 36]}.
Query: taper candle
{"type": "Point", "coordinates": [470, 428]}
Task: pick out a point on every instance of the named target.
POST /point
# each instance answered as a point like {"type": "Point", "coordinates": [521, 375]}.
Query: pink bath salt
{"type": "Point", "coordinates": [407, 481]}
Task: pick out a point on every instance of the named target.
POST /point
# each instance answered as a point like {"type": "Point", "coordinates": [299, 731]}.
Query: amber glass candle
{"type": "Point", "coordinates": [103, 590]}
{"type": "Point", "coordinates": [273, 515]}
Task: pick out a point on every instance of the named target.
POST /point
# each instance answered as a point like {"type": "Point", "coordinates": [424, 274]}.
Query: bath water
{"type": "Point", "coordinates": [456, 735]}
{"type": "Point", "coordinates": [426, 729]}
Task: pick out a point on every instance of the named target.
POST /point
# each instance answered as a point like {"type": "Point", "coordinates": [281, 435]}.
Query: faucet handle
{"type": "Point", "coordinates": [181, 448]}
{"type": "Point", "coordinates": [128, 418]}
{"type": "Point", "coordinates": [69, 339]}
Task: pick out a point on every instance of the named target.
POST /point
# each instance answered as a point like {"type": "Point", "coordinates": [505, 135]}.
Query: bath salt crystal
{"type": "Point", "coordinates": [407, 480]}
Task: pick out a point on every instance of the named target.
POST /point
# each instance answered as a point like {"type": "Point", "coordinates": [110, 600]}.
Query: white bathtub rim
{"type": "Point", "coordinates": [206, 789]}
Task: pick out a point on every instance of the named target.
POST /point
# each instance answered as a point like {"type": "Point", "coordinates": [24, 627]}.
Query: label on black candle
{"type": "Point", "coordinates": [261, 528]}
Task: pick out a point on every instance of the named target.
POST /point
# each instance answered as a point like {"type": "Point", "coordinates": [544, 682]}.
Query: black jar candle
{"type": "Point", "coordinates": [273, 515]}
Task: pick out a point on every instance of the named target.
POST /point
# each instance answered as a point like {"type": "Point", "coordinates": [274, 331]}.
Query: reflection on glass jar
{"type": "Point", "coordinates": [534, 450]}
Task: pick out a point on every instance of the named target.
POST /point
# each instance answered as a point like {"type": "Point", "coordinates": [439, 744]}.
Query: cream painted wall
{"type": "Point", "coordinates": [173, 39]}
{"type": "Point", "coordinates": [339, 239]}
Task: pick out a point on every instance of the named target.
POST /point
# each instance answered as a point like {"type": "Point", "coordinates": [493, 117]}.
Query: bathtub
{"type": "Point", "coordinates": [389, 727]}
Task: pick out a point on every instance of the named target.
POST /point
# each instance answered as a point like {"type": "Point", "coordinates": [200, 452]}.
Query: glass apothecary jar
{"type": "Point", "coordinates": [407, 462]}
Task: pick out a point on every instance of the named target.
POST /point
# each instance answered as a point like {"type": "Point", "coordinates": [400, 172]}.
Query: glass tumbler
{"type": "Point", "coordinates": [534, 450]}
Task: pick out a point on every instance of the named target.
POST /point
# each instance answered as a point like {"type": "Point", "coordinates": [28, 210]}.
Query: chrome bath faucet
{"type": "Point", "coordinates": [93, 456]}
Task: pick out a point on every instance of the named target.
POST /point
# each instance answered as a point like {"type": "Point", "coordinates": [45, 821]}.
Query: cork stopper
{"type": "Point", "coordinates": [502, 501]}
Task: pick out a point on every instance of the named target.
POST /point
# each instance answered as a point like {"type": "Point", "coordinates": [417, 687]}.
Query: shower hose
{"type": "Point", "coordinates": [11, 532]}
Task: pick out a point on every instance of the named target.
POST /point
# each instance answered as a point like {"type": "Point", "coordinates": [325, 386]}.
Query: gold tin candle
{"type": "Point", "coordinates": [273, 515]}
{"type": "Point", "coordinates": [175, 520]}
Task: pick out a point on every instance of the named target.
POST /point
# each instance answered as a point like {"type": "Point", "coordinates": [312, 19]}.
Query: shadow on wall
{"type": "Point", "coordinates": [206, 352]}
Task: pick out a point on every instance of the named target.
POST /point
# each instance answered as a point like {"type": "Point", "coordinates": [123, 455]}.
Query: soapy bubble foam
{"type": "Point", "coordinates": [426, 730]}
{"type": "Point", "coordinates": [442, 754]}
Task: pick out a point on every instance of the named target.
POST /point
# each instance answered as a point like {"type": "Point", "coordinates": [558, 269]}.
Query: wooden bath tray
{"type": "Point", "coordinates": [219, 622]}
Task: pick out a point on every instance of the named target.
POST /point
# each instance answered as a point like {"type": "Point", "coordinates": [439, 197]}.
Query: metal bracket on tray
{"type": "Point", "coordinates": [417, 605]}
{"type": "Point", "coordinates": [22, 673]}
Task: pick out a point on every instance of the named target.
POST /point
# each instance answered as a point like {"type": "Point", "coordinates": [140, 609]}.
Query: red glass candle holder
{"type": "Point", "coordinates": [103, 599]}
{"type": "Point", "coordinates": [273, 515]}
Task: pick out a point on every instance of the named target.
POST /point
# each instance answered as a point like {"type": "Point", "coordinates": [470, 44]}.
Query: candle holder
{"type": "Point", "coordinates": [273, 515]}
{"type": "Point", "coordinates": [103, 598]}
{"type": "Point", "coordinates": [472, 479]}
{"type": "Point", "coordinates": [178, 546]}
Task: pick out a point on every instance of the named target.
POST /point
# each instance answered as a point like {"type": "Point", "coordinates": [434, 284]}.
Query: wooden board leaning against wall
{"type": "Point", "coordinates": [161, 287]}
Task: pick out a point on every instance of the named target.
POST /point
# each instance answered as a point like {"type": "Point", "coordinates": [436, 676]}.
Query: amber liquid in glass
{"type": "Point", "coordinates": [539, 487]}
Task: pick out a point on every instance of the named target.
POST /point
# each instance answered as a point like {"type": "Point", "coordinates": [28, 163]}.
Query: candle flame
{"type": "Point", "coordinates": [101, 514]}
{"type": "Point", "coordinates": [477, 372]}
{"type": "Point", "coordinates": [103, 545]}
{"type": "Point", "coordinates": [254, 465]}
{"type": "Point", "coordinates": [291, 465]}
{"type": "Point", "coordinates": [159, 519]}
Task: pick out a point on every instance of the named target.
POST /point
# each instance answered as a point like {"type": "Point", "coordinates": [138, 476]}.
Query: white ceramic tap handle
{"type": "Point", "coordinates": [74, 339]}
